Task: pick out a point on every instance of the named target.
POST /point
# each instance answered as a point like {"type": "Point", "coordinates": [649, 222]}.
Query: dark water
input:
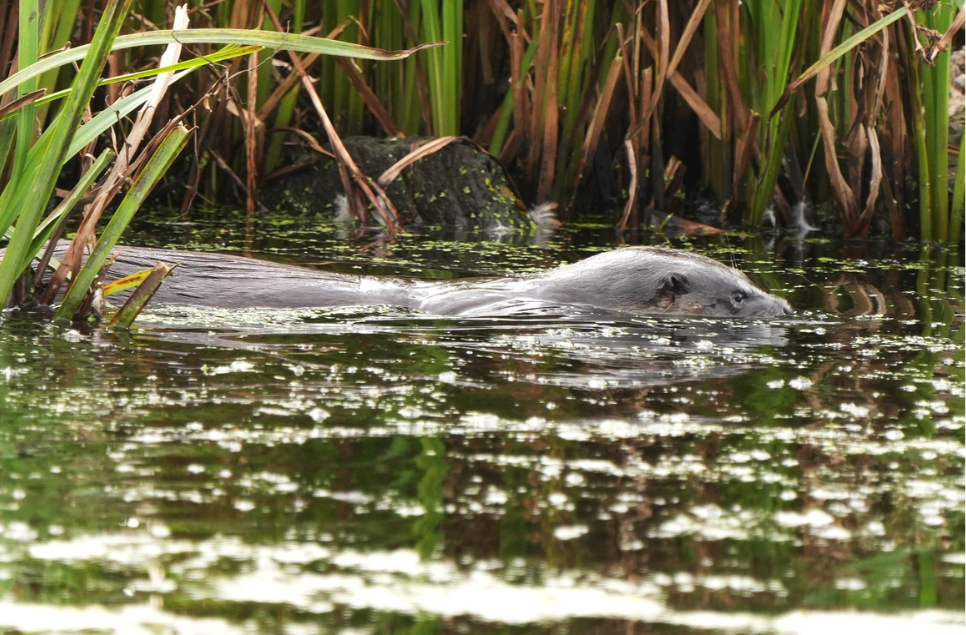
{"type": "Point", "coordinates": [350, 471]}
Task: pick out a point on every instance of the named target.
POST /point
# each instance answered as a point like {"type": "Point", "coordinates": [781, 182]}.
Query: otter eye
{"type": "Point", "coordinates": [738, 297]}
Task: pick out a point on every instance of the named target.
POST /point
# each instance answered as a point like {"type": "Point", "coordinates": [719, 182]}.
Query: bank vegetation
{"type": "Point", "coordinates": [760, 107]}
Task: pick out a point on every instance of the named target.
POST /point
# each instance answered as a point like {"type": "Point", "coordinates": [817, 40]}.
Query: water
{"type": "Point", "coordinates": [381, 471]}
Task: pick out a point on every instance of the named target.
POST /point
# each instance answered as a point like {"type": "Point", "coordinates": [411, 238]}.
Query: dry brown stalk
{"type": "Point", "coordinates": [697, 16]}
{"type": "Point", "coordinates": [293, 78]}
{"type": "Point", "coordinates": [630, 77]}
{"type": "Point", "coordinates": [505, 16]}
{"type": "Point", "coordinates": [704, 112]}
{"type": "Point", "coordinates": [639, 87]}
{"type": "Point", "coordinates": [347, 166]}
{"type": "Point", "coordinates": [284, 87]}
{"type": "Point", "coordinates": [252, 125]}
{"type": "Point", "coordinates": [521, 99]}
{"type": "Point", "coordinates": [309, 139]}
{"type": "Point", "coordinates": [484, 134]}
{"type": "Point", "coordinates": [123, 168]}
{"type": "Point", "coordinates": [370, 98]}
{"type": "Point", "coordinates": [728, 26]}
{"type": "Point", "coordinates": [663, 61]}
{"type": "Point", "coordinates": [549, 136]}
{"type": "Point", "coordinates": [948, 35]}
{"type": "Point", "coordinates": [20, 102]}
{"type": "Point", "coordinates": [532, 143]}
{"type": "Point", "coordinates": [592, 136]}
{"type": "Point", "coordinates": [647, 125]}
{"type": "Point", "coordinates": [874, 180]}
{"type": "Point", "coordinates": [746, 146]}
{"type": "Point", "coordinates": [419, 151]}
{"type": "Point", "coordinates": [510, 147]}
{"type": "Point", "coordinates": [840, 189]}
{"type": "Point", "coordinates": [632, 188]}
{"type": "Point", "coordinates": [220, 160]}
{"type": "Point", "coordinates": [861, 139]}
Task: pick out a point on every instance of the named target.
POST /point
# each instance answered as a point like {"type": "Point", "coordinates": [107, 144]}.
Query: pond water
{"type": "Point", "coordinates": [380, 471]}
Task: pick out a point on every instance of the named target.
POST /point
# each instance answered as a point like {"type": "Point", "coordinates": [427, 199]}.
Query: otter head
{"type": "Point", "coordinates": [658, 280]}
{"type": "Point", "coordinates": [715, 291]}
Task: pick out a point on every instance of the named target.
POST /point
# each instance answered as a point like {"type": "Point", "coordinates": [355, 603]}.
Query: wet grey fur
{"type": "Point", "coordinates": [642, 280]}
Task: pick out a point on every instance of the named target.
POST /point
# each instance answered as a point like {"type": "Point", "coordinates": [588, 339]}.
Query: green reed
{"type": "Point", "coordinates": [753, 71]}
{"type": "Point", "coordinates": [773, 30]}
{"type": "Point", "coordinates": [939, 221]}
{"type": "Point", "coordinates": [285, 112]}
{"type": "Point", "coordinates": [30, 188]}
{"type": "Point", "coordinates": [33, 157]}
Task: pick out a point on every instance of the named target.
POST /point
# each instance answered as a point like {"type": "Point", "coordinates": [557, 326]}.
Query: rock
{"type": "Point", "coordinates": [459, 186]}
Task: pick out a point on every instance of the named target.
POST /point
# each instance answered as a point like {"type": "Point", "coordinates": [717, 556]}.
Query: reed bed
{"type": "Point", "coordinates": [760, 105]}
{"type": "Point", "coordinates": [633, 104]}
{"type": "Point", "coordinates": [46, 123]}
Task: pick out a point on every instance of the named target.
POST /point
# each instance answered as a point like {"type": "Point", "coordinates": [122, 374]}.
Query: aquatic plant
{"type": "Point", "coordinates": [33, 159]}
{"type": "Point", "coordinates": [929, 76]}
{"type": "Point", "coordinates": [769, 85]}
{"type": "Point", "coordinates": [763, 105]}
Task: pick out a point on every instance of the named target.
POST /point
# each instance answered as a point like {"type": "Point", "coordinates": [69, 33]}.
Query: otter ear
{"type": "Point", "coordinates": [673, 285]}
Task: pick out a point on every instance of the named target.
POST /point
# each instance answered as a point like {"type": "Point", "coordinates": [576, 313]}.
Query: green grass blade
{"type": "Point", "coordinates": [776, 54]}
{"type": "Point", "coordinates": [413, 121]}
{"type": "Point", "coordinates": [222, 55]}
{"type": "Point", "coordinates": [452, 66]}
{"type": "Point", "coordinates": [58, 27]}
{"type": "Point", "coordinates": [937, 108]}
{"type": "Point", "coordinates": [435, 74]}
{"type": "Point", "coordinates": [286, 108]}
{"type": "Point", "coordinates": [264, 72]}
{"type": "Point", "coordinates": [129, 312]}
{"type": "Point", "coordinates": [42, 181]}
{"type": "Point", "coordinates": [506, 115]}
{"type": "Point", "coordinates": [28, 50]}
{"type": "Point", "coordinates": [242, 37]}
{"type": "Point", "coordinates": [11, 200]}
{"type": "Point", "coordinates": [59, 23]}
{"type": "Point", "coordinates": [155, 168]}
{"type": "Point", "coordinates": [765, 187]}
{"type": "Point", "coordinates": [110, 116]}
{"type": "Point", "coordinates": [919, 141]}
{"type": "Point", "coordinates": [829, 58]}
{"type": "Point", "coordinates": [958, 209]}
{"type": "Point", "coordinates": [46, 228]}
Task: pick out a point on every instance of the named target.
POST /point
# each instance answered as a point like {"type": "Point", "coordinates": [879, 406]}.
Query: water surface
{"type": "Point", "coordinates": [382, 471]}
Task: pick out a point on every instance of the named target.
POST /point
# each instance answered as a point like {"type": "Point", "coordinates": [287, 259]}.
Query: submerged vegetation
{"type": "Point", "coordinates": [764, 107]}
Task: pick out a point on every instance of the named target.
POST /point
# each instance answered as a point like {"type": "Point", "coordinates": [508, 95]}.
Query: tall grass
{"type": "Point", "coordinates": [32, 158]}
{"type": "Point", "coordinates": [759, 104]}
{"type": "Point", "coordinates": [940, 219]}
{"type": "Point", "coordinates": [777, 34]}
{"type": "Point", "coordinates": [32, 185]}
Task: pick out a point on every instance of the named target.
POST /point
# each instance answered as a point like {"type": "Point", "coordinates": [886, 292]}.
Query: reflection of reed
{"type": "Point", "coordinates": [866, 298]}
{"type": "Point", "coordinates": [935, 309]}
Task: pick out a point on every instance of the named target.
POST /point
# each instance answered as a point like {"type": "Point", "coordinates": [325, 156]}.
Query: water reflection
{"type": "Point", "coordinates": [386, 472]}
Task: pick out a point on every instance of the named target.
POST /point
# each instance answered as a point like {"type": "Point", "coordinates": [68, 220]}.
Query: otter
{"type": "Point", "coordinates": [640, 280]}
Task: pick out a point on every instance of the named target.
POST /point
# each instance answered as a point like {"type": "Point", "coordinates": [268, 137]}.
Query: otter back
{"type": "Point", "coordinates": [642, 280]}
